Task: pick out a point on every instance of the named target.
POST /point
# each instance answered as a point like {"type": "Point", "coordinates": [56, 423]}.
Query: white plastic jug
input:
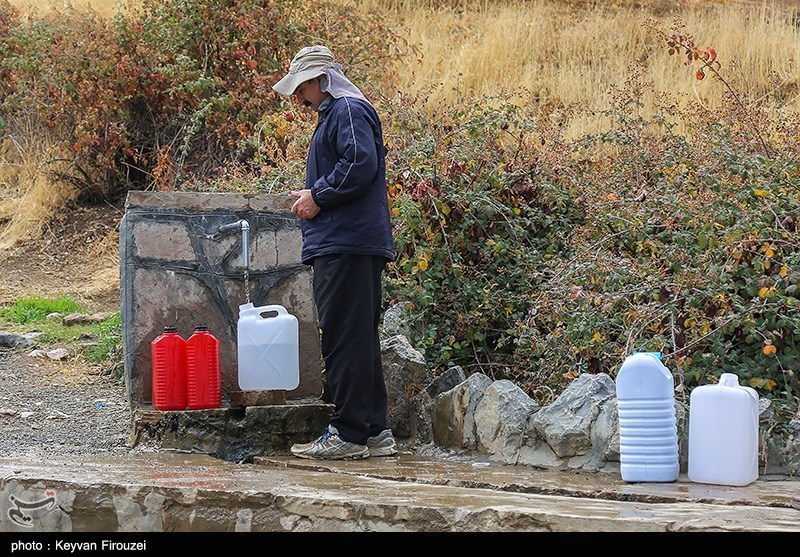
{"type": "Point", "coordinates": [723, 433]}
{"type": "Point", "coordinates": [648, 430]}
{"type": "Point", "coordinates": [269, 354]}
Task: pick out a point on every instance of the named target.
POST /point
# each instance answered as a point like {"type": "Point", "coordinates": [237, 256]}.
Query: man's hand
{"type": "Point", "coordinates": [304, 207]}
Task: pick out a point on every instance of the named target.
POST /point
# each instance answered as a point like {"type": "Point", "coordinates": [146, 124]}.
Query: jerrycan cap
{"type": "Point", "coordinates": [170, 329]}
{"type": "Point", "coordinates": [201, 327]}
{"type": "Point", "coordinates": [729, 380]}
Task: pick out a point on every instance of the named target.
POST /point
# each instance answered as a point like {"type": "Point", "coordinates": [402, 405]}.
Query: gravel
{"type": "Point", "coordinates": [59, 407]}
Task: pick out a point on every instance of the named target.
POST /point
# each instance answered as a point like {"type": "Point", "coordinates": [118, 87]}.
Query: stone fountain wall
{"type": "Point", "coordinates": [176, 269]}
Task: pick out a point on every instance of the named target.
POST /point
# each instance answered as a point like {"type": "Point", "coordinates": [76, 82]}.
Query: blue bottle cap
{"type": "Point", "coordinates": [655, 354]}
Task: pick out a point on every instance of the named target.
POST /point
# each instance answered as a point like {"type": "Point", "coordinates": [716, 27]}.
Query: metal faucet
{"type": "Point", "coordinates": [245, 228]}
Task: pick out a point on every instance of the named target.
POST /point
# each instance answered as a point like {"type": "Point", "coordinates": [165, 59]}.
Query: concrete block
{"type": "Point", "coordinates": [163, 240]}
{"type": "Point", "coordinates": [234, 434]}
{"type": "Point", "coordinates": [274, 203]}
{"type": "Point", "coordinates": [288, 247]}
{"type": "Point", "coordinates": [263, 251]}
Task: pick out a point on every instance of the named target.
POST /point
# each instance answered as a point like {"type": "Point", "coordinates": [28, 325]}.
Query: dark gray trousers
{"type": "Point", "coordinates": [347, 292]}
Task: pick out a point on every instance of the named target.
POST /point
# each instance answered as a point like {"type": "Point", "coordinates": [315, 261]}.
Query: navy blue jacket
{"type": "Point", "coordinates": [346, 173]}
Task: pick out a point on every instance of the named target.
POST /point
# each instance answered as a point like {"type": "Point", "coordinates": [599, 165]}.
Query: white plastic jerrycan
{"type": "Point", "coordinates": [648, 430]}
{"type": "Point", "coordinates": [723, 433]}
{"type": "Point", "coordinates": [269, 353]}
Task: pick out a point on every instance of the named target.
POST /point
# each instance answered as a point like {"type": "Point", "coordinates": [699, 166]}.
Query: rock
{"type": "Point", "coordinates": [54, 354]}
{"type": "Point", "coordinates": [405, 374]}
{"type": "Point", "coordinates": [501, 419]}
{"type": "Point", "coordinates": [11, 340]}
{"type": "Point", "coordinates": [55, 316]}
{"type": "Point", "coordinates": [792, 448]}
{"type": "Point", "coordinates": [58, 415]}
{"type": "Point", "coordinates": [421, 423]}
{"type": "Point", "coordinates": [577, 430]}
{"type": "Point", "coordinates": [766, 410]}
{"type": "Point", "coordinates": [84, 319]}
{"type": "Point", "coordinates": [566, 423]}
{"type": "Point", "coordinates": [396, 321]}
{"type": "Point", "coordinates": [58, 354]}
{"type": "Point", "coordinates": [446, 381]}
{"type": "Point", "coordinates": [423, 403]}
{"type": "Point", "coordinates": [453, 420]}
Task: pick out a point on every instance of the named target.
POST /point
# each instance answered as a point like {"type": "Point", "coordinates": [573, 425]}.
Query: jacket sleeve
{"type": "Point", "coordinates": [354, 172]}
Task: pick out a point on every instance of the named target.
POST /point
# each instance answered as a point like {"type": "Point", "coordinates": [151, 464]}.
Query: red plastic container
{"type": "Point", "coordinates": [168, 352]}
{"type": "Point", "coordinates": [204, 385]}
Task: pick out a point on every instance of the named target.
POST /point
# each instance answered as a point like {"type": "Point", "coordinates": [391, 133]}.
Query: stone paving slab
{"type": "Point", "coordinates": [767, 491]}
{"type": "Point", "coordinates": [177, 492]}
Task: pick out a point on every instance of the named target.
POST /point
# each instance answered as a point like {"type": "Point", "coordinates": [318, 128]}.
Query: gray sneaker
{"type": "Point", "coordinates": [329, 446]}
{"type": "Point", "coordinates": [382, 444]}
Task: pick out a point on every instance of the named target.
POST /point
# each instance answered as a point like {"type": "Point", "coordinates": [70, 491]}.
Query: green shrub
{"type": "Point", "coordinates": [170, 92]}
{"type": "Point", "coordinates": [535, 260]}
{"type": "Point", "coordinates": [690, 247]}
{"type": "Point", "coordinates": [480, 202]}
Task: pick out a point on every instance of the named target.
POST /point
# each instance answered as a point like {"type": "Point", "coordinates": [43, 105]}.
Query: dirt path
{"type": "Point", "coordinates": [77, 255]}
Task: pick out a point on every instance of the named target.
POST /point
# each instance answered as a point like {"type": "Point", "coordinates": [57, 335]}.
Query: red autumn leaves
{"type": "Point", "coordinates": [707, 57]}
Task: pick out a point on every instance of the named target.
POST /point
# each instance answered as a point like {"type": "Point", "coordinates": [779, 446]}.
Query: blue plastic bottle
{"type": "Point", "coordinates": [648, 431]}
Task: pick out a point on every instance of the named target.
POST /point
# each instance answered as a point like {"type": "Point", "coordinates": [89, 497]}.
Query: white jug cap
{"type": "Point", "coordinates": [729, 380]}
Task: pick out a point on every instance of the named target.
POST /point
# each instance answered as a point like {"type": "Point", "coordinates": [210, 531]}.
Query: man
{"type": "Point", "coordinates": [347, 239]}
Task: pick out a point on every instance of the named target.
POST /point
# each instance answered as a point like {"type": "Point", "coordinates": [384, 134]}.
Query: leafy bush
{"type": "Point", "coordinates": [480, 202]}
{"type": "Point", "coordinates": [170, 92]}
{"type": "Point", "coordinates": [536, 260]}
{"type": "Point", "coordinates": [690, 248]}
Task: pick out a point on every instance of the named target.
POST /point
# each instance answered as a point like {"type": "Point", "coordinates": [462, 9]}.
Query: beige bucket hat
{"type": "Point", "coordinates": [308, 63]}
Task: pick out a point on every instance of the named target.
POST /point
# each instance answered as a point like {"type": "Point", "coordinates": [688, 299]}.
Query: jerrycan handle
{"type": "Point", "coordinates": [276, 308]}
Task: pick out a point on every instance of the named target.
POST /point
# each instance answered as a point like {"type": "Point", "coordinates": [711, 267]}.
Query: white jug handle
{"type": "Point", "coordinates": [279, 309]}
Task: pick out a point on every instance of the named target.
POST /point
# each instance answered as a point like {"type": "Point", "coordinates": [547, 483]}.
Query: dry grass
{"type": "Point", "coordinates": [30, 193]}
{"type": "Point", "coordinates": [573, 53]}
{"type": "Point", "coordinates": [105, 8]}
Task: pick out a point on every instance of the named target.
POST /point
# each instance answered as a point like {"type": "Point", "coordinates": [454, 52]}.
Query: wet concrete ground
{"type": "Point", "coordinates": [179, 492]}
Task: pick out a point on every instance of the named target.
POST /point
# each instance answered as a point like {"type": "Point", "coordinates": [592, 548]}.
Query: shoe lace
{"type": "Point", "coordinates": [326, 434]}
